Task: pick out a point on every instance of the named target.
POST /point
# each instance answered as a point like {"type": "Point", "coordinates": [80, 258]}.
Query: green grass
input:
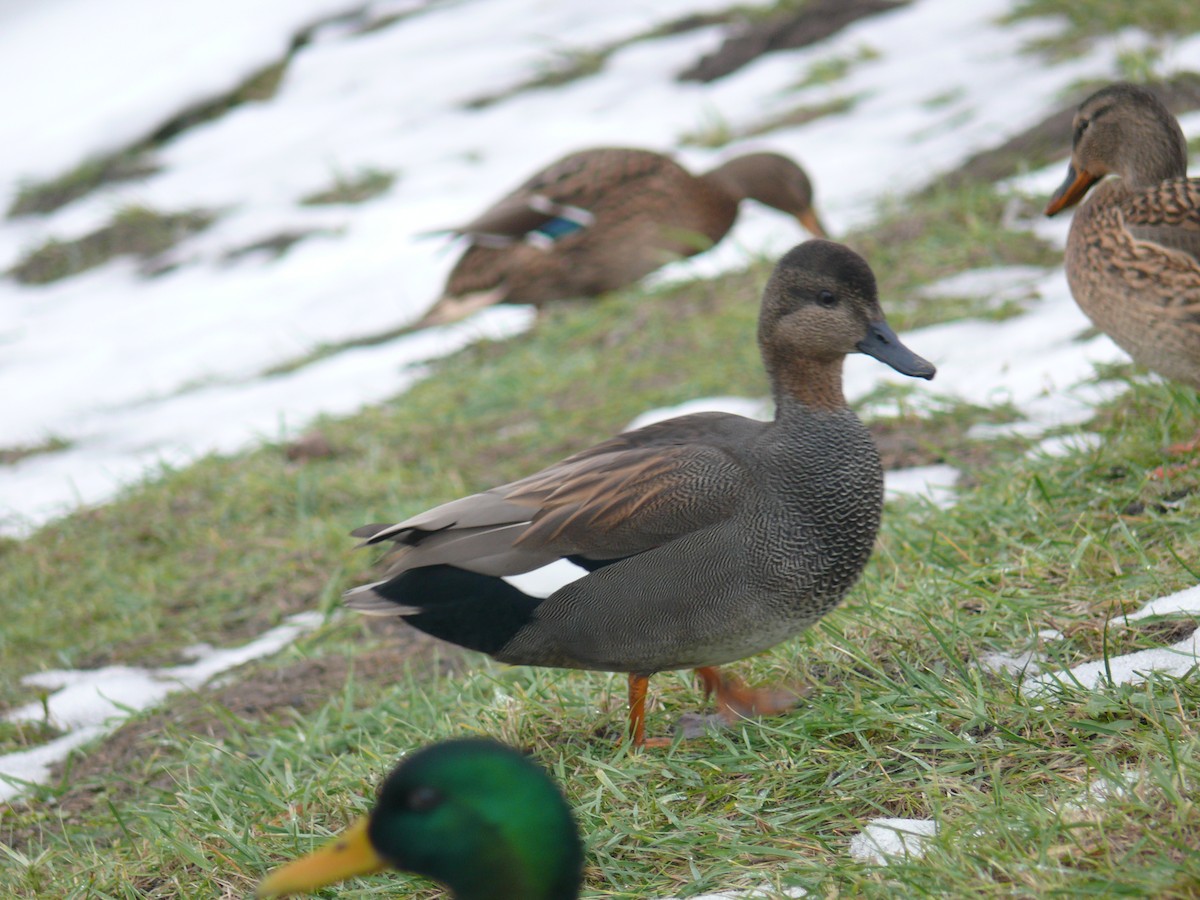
{"type": "Point", "coordinates": [898, 722]}
{"type": "Point", "coordinates": [35, 197]}
{"type": "Point", "coordinates": [203, 797]}
{"type": "Point", "coordinates": [835, 68]}
{"type": "Point", "coordinates": [714, 130]}
{"type": "Point", "coordinates": [800, 115]}
{"type": "Point", "coordinates": [13, 454]}
{"type": "Point", "coordinates": [134, 231]}
{"type": "Point", "coordinates": [1087, 20]}
{"type": "Point", "coordinates": [359, 187]}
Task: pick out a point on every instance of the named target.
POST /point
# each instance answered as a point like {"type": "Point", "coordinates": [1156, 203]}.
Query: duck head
{"type": "Point", "coordinates": [820, 304]}
{"type": "Point", "coordinates": [475, 815]}
{"type": "Point", "coordinates": [1125, 130]}
{"type": "Point", "coordinates": [774, 180]}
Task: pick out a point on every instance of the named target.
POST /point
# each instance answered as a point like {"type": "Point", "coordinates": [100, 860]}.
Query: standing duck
{"type": "Point", "coordinates": [708, 537]}
{"type": "Point", "coordinates": [600, 219]}
{"type": "Point", "coordinates": [1133, 252]}
{"type": "Point", "coordinates": [475, 815]}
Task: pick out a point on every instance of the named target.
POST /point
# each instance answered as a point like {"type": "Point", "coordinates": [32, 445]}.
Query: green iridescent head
{"type": "Point", "coordinates": [475, 815]}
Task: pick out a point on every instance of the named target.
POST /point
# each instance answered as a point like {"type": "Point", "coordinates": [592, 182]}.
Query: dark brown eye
{"type": "Point", "coordinates": [423, 799]}
{"type": "Point", "coordinates": [826, 299]}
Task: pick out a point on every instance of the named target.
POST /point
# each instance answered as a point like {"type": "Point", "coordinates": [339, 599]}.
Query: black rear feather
{"type": "Point", "coordinates": [479, 612]}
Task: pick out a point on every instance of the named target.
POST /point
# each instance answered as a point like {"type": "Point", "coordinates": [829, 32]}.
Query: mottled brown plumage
{"type": "Point", "coordinates": [600, 219]}
{"type": "Point", "coordinates": [1133, 253]}
{"type": "Point", "coordinates": [708, 537]}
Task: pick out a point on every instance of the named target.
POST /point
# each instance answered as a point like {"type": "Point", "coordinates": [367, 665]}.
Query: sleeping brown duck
{"type": "Point", "coordinates": [600, 219]}
{"type": "Point", "coordinates": [708, 537]}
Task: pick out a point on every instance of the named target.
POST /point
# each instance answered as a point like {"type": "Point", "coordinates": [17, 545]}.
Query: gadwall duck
{"type": "Point", "coordinates": [1133, 252]}
{"type": "Point", "coordinates": [475, 815]}
{"type": "Point", "coordinates": [708, 537]}
{"type": "Point", "coordinates": [600, 219]}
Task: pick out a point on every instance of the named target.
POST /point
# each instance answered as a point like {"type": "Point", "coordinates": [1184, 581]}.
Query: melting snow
{"type": "Point", "coordinates": [89, 703]}
{"type": "Point", "coordinates": [886, 839]}
{"type": "Point", "coordinates": [936, 483]}
{"type": "Point", "coordinates": [109, 360]}
{"type": "Point", "coordinates": [1179, 659]}
{"type": "Point", "coordinates": [1186, 601]}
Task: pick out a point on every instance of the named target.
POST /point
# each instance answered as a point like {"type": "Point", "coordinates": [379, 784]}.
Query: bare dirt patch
{"type": "Point", "coordinates": [1050, 139]}
{"type": "Point", "coordinates": [786, 31]}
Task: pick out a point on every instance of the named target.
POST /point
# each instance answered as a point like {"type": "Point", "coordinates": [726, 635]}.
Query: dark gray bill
{"type": "Point", "coordinates": [881, 342]}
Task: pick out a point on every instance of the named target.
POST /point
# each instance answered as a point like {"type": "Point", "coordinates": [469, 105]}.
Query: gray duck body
{"type": "Point", "coordinates": [708, 537]}
{"type": "Point", "coordinates": [800, 498]}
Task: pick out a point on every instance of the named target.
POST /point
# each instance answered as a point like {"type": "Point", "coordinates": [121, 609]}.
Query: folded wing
{"type": "Point", "coordinates": [627, 495]}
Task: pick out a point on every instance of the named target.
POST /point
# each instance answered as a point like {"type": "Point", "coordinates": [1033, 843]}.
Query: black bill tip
{"type": "Point", "coordinates": [881, 342]}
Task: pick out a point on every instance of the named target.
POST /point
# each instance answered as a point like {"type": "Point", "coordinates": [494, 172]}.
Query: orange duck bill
{"type": "Point", "coordinates": [812, 223]}
{"type": "Point", "coordinates": [1071, 191]}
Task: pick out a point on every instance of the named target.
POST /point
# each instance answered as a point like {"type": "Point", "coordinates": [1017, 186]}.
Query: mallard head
{"type": "Point", "coordinates": [475, 815]}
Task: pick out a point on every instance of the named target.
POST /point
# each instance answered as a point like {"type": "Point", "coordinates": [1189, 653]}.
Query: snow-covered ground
{"type": "Point", "coordinates": [134, 370]}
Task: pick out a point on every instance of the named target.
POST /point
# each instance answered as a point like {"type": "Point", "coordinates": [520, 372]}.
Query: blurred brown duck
{"type": "Point", "coordinates": [600, 219]}
{"type": "Point", "coordinates": [1133, 253]}
{"type": "Point", "coordinates": [708, 537]}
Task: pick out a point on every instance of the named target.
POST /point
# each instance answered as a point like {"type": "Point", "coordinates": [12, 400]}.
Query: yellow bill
{"type": "Point", "coordinates": [347, 855]}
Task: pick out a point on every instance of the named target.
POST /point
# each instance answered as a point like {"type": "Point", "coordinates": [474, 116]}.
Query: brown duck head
{"type": "Point", "coordinates": [820, 304]}
{"type": "Point", "coordinates": [1125, 130]}
{"type": "Point", "coordinates": [771, 179]}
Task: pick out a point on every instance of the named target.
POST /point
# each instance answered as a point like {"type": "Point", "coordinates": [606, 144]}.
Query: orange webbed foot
{"type": "Point", "coordinates": [736, 700]}
{"type": "Point", "coordinates": [1185, 448]}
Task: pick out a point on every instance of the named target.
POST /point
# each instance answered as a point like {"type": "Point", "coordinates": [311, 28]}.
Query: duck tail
{"type": "Point", "coordinates": [453, 308]}
{"type": "Point", "coordinates": [479, 612]}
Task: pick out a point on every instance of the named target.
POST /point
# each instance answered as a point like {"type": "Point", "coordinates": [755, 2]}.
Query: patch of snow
{"type": "Point", "coordinates": [1101, 789]}
{"type": "Point", "coordinates": [1105, 788]}
{"type": "Point", "coordinates": [883, 840]}
{"type": "Point", "coordinates": [84, 68]}
{"type": "Point", "coordinates": [127, 440]}
{"type": "Point", "coordinates": [27, 767]}
{"type": "Point", "coordinates": [1035, 362]}
{"type": "Point", "coordinates": [761, 409]}
{"type": "Point", "coordinates": [1028, 662]}
{"type": "Point", "coordinates": [1066, 444]}
{"type": "Point", "coordinates": [936, 483]}
{"type": "Point", "coordinates": [1186, 601]}
{"type": "Point", "coordinates": [1178, 660]}
{"type": "Point", "coordinates": [997, 284]}
{"type": "Point", "coordinates": [89, 703]}
{"type": "Point", "coordinates": [1019, 664]}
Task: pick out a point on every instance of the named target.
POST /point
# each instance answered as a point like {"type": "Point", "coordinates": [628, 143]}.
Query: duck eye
{"type": "Point", "coordinates": [424, 799]}
{"type": "Point", "coordinates": [826, 299]}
